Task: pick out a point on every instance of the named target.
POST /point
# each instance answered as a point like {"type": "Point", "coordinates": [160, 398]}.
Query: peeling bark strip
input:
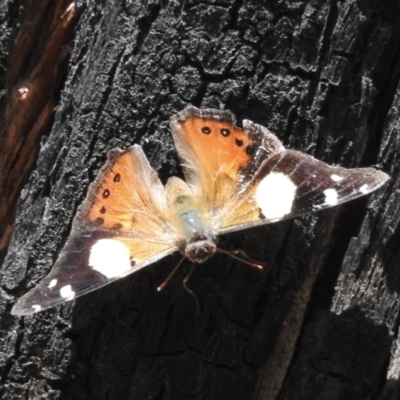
{"type": "Point", "coordinates": [322, 322]}
{"type": "Point", "coordinates": [36, 68]}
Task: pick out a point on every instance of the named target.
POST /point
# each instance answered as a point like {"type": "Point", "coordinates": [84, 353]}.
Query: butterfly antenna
{"type": "Point", "coordinates": [246, 259]}
{"type": "Point", "coordinates": [187, 288]}
{"type": "Point", "coordinates": [162, 286]}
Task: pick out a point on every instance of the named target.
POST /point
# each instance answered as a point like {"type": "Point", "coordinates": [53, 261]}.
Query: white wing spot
{"type": "Point", "coordinates": [52, 283]}
{"type": "Point", "coordinates": [331, 197]}
{"type": "Point", "coordinates": [275, 195]}
{"type": "Point", "coordinates": [67, 292]}
{"type": "Point", "coordinates": [36, 307]}
{"type": "Point", "coordinates": [110, 257]}
{"type": "Point", "coordinates": [364, 189]}
{"type": "Point", "coordinates": [336, 178]}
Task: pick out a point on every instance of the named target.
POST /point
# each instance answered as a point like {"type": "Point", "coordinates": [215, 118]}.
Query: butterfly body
{"type": "Point", "coordinates": [194, 234]}
{"type": "Point", "coordinates": [235, 178]}
{"type": "Point", "coordinates": [199, 244]}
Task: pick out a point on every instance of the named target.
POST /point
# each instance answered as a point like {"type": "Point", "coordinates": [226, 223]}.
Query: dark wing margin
{"type": "Point", "coordinates": [316, 185]}
{"type": "Point", "coordinates": [290, 183]}
{"type": "Point", "coordinates": [79, 270]}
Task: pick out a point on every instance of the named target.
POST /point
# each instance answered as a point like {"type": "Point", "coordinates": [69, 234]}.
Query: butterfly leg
{"type": "Point", "coordinates": [257, 264]}
{"type": "Point", "coordinates": [187, 288]}
{"type": "Point", "coordinates": [162, 286]}
{"type": "Point", "coordinates": [246, 259]}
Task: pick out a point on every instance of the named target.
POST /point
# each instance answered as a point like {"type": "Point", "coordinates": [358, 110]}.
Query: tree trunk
{"type": "Point", "coordinates": [321, 321]}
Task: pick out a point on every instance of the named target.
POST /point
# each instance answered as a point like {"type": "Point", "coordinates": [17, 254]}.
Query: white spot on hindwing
{"type": "Point", "coordinates": [36, 307]}
{"type": "Point", "coordinates": [331, 197]}
{"type": "Point", "coordinates": [67, 292]}
{"type": "Point", "coordinates": [364, 189]}
{"type": "Point", "coordinates": [336, 178]}
{"type": "Point", "coordinates": [275, 194]}
{"type": "Point", "coordinates": [52, 283]}
{"type": "Point", "coordinates": [110, 257]}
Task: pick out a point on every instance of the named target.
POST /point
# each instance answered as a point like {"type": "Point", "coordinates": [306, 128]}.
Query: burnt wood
{"type": "Point", "coordinates": [321, 321]}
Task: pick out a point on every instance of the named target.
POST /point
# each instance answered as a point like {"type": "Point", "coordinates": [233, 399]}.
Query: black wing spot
{"type": "Point", "coordinates": [117, 178]}
{"type": "Point", "coordinates": [133, 262]}
{"type": "Point", "coordinates": [225, 132]}
{"type": "Point", "coordinates": [103, 210]}
{"type": "Point", "coordinates": [206, 130]}
{"type": "Point", "coordinates": [99, 220]}
{"type": "Point", "coordinates": [117, 226]}
{"type": "Point", "coordinates": [133, 220]}
{"type": "Point", "coordinates": [239, 142]}
{"type": "Point", "coordinates": [260, 214]}
{"type": "Point", "coordinates": [106, 193]}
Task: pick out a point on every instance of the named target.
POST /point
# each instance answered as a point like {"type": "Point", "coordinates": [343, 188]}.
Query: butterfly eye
{"type": "Point", "coordinates": [117, 178]}
{"type": "Point", "coordinates": [239, 142]}
{"type": "Point", "coordinates": [206, 130]}
{"type": "Point", "coordinates": [106, 193]}
{"type": "Point", "coordinates": [225, 132]}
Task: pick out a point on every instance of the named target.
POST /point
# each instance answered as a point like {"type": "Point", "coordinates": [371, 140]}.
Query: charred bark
{"type": "Point", "coordinates": [321, 322]}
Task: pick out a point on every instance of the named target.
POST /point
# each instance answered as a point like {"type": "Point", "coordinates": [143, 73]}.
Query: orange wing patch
{"type": "Point", "coordinates": [224, 148]}
{"type": "Point", "coordinates": [218, 158]}
{"type": "Point", "coordinates": [113, 202]}
{"type": "Point", "coordinates": [120, 199]}
{"type": "Point", "coordinates": [111, 197]}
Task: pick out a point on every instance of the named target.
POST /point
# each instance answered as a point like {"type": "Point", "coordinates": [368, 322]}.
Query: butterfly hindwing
{"type": "Point", "coordinates": [88, 261]}
{"type": "Point", "coordinates": [121, 228]}
{"type": "Point", "coordinates": [293, 183]}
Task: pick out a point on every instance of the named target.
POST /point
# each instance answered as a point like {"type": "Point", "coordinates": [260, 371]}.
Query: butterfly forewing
{"type": "Point", "coordinates": [122, 227]}
{"type": "Point", "coordinates": [220, 159]}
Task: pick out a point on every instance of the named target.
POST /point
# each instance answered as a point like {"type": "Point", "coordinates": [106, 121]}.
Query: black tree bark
{"type": "Point", "coordinates": [321, 321]}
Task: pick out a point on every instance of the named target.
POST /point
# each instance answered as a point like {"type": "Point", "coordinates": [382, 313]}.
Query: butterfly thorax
{"type": "Point", "coordinates": [196, 239]}
{"type": "Point", "coordinates": [199, 243]}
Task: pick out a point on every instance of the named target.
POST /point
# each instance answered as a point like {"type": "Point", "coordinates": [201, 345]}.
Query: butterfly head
{"type": "Point", "coordinates": [200, 249]}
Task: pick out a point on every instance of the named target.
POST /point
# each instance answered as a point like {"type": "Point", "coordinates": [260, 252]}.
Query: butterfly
{"type": "Point", "coordinates": [235, 178]}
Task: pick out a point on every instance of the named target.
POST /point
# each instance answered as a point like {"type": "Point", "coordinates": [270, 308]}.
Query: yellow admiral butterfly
{"type": "Point", "coordinates": [235, 179]}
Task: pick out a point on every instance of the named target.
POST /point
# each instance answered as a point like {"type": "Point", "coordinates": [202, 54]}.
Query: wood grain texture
{"type": "Point", "coordinates": [321, 322]}
{"type": "Point", "coordinates": [30, 91]}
